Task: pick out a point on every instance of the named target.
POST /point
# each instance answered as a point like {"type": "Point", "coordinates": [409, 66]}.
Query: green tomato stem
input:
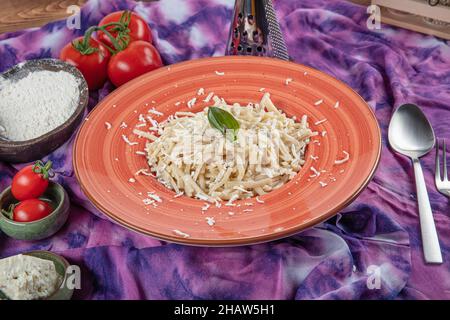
{"type": "Point", "coordinates": [44, 169]}
{"type": "Point", "coordinates": [117, 46]}
{"type": "Point", "coordinates": [84, 46]}
{"type": "Point", "coordinates": [10, 212]}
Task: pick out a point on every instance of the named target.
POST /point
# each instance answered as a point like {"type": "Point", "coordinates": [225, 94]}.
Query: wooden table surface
{"type": "Point", "coordinates": [21, 14]}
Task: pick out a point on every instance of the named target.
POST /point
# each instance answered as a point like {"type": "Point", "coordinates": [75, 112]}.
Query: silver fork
{"type": "Point", "coordinates": [442, 183]}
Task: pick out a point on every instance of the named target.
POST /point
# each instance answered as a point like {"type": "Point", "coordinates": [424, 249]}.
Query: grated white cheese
{"type": "Point", "coordinates": [143, 171]}
{"type": "Point", "coordinates": [25, 277]}
{"type": "Point", "coordinates": [148, 201]}
{"type": "Point", "coordinates": [37, 103]}
{"type": "Point", "coordinates": [181, 233]}
{"type": "Point", "coordinates": [191, 102]}
{"type": "Point", "coordinates": [142, 118]}
{"type": "Point", "coordinates": [259, 200]}
{"type": "Point", "coordinates": [220, 73]}
{"type": "Point", "coordinates": [209, 97]}
{"type": "Point", "coordinates": [230, 202]}
{"type": "Point", "coordinates": [318, 102]}
{"type": "Point", "coordinates": [241, 189]}
{"type": "Point", "coordinates": [210, 221]}
{"type": "Point", "coordinates": [108, 125]}
{"type": "Point", "coordinates": [127, 141]}
{"type": "Point", "coordinates": [155, 112]}
{"type": "Point", "coordinates": [144, 134]}
{"type": "Point", "coordinates": [288, 80]}
{"type": "Point", "coordinates": [152, 121]}
{"type": "Point", "coordinates": [202, 196]}
{"type": "Point", "coordinates": [201, 92]}
{"type": "Point", "coordinates": [315, 171]}
{"type": "Point", "coordinates": [345, 159]}
{"type": "Point", "coordinates": [336, 105]}
{"type": "Point", "coordinates": [320, 122]}
{"type": "Point", "coordinates": [153, 196]}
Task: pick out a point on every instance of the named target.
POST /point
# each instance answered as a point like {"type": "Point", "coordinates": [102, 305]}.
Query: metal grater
{"type": "Point", "coordinates": [255, 31]}
{"type": "Point", "coordinates": [276, 36]}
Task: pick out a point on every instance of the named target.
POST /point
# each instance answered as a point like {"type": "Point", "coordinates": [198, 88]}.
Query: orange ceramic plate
{"type": "Point", "coordinates": [104, 163]}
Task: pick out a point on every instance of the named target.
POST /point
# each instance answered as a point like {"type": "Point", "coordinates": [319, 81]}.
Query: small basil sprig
{"type": "Point", "coordinates": [223, 121]}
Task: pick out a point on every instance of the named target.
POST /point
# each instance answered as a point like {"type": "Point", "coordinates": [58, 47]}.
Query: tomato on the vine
{"type": "Point", "coordinates": [138, 58]}
{"type": "Point", "coordinates": [91, 58]}
{"type": "Point", "coordinates": [123, 51]}
{"type": "Point", "coordinates": [124, 26]}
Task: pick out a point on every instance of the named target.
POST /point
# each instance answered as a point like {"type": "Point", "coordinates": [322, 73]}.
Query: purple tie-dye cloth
{"type": "Point", "coordinates": [375, 238]}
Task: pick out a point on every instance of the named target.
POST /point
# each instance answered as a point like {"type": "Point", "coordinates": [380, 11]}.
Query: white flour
{"type": "Point", "coordinates": [37, 104]}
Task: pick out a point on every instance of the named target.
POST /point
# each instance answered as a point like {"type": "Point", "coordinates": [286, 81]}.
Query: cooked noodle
{"type": "Point", "coordinates": [192, 157]}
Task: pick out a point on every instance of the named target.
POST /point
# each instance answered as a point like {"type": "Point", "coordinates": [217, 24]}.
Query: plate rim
{"type": "Point", "coordinates": [241, 241]}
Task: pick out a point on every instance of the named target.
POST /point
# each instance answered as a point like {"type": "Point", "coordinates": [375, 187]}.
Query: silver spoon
{"type": "Point", "coordinates": [411, 134]}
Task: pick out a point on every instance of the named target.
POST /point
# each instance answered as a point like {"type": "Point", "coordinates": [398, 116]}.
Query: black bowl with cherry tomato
{"type": "Point", "coordinates": [33, 207]}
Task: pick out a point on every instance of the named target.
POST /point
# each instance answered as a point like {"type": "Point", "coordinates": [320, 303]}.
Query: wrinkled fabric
{"type": "Point", "coordinates": [370, 250]}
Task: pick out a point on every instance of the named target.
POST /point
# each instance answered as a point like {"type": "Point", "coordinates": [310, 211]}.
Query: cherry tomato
{"type": "Point", "coordinates": [93, 63]}
{"type": "Point", "coordinates": [138, 58]}
{"type": "Point", "coordinates": [31, 181]}
{"type": "Point", "coordinates": [31, 210]}
{"type": "Point", "coordinates": [138, 27]}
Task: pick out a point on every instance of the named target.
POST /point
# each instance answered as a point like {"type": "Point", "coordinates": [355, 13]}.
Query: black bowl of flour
{"type": "Point", "coordinates": [42, 103]}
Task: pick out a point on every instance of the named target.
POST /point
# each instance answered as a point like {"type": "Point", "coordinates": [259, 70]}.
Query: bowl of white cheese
{"type": "Point", "coordinates": [42, 103]}
{"type": "Point", "coordinates": [35, 275]}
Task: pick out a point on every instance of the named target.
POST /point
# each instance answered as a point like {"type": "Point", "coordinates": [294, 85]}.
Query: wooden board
{"type": "Point", "coordinates": [418, 11]}
{"type": "Point", "coordinates": [415, 23]}
{"type": "Point", "coordinates": [417, 7]}
{"type": "Point", "coordinates": [21, 14]}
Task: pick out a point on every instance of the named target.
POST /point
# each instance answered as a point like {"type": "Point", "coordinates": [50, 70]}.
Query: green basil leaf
{"type": "Point", "coordinates": [223, 120]}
